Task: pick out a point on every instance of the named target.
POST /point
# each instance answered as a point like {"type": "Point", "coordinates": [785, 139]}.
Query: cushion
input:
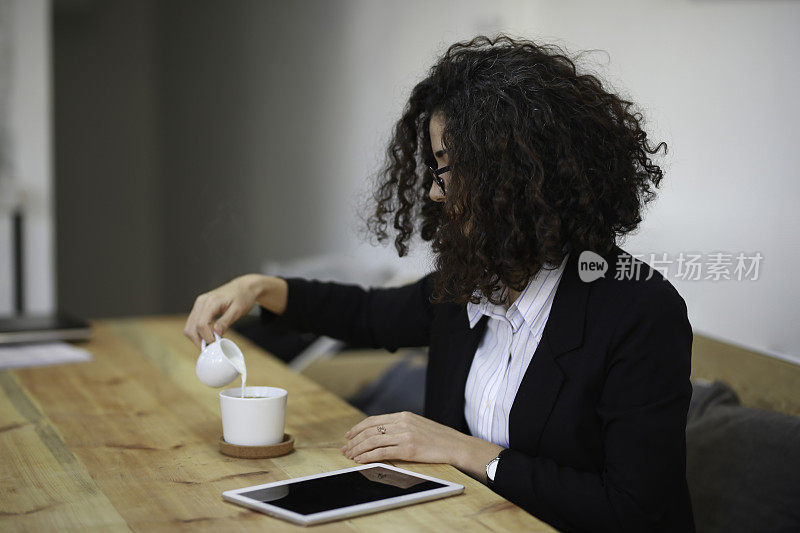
{"type": "Point", "coordinates": [401, 388]}
{"type": "Point", "coordinates": [743, 464]}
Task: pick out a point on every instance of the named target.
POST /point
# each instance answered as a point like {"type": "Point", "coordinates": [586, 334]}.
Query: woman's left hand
{"type": "Point", "coordinates": [406, 436]}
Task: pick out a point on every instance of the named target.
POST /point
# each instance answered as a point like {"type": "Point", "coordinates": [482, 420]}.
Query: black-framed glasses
{"type": "Point", "coordinates": [437, 175]}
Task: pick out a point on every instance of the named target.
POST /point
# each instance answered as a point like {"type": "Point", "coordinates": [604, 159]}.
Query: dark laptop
{"type": "Point", "coordinates": [42, 328]}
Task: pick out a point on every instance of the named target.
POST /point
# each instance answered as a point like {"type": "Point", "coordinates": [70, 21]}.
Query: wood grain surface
{"type": "Point", "coordinates": [128, 442]}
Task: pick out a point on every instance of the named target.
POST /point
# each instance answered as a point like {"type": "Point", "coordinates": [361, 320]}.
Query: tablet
{"type": "Point", "coordinates": [342, 493]}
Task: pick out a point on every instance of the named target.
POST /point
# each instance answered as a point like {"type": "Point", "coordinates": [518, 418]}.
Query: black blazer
{"type": "Point", "coordinates": [597, 429]}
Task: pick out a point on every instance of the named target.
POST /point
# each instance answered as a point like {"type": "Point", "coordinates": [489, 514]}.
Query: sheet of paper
{"type": "Point", "coordinates": [32, 355]}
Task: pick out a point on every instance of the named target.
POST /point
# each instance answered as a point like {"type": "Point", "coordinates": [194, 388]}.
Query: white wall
{"type": "Point", "coordinates": [7, 193]}
{"type": "Point", "coordinates": [30, 154]}
{"type": "Point", "coordinates": [717, 81]}
{"type": "Point", "coordinates": [390, 47]}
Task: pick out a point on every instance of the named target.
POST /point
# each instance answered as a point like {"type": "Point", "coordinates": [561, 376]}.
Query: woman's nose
{"type": "Point", "coordinates": [436, 193]}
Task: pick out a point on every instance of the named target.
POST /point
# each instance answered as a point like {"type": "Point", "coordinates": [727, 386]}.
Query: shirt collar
{"type": "Point", "coordinates": [527, 308]}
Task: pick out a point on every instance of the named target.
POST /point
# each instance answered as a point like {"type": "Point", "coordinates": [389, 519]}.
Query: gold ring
{"type": "Point", "coordinates": [381, 430]}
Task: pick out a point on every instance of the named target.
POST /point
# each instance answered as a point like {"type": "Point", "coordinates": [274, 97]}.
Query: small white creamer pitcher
{"type": "Point", "coordinates": [220, 362]}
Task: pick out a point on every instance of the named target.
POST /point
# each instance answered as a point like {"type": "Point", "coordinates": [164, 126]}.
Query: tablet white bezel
{"type": "Point", "coordinates": [235, 496]}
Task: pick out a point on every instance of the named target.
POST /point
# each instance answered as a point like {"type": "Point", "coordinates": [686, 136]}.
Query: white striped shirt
{"type": "Point", "coordinates": [504, 354]}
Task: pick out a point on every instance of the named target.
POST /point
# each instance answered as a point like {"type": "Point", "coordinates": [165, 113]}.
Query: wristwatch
{"type": "Point", "coordinates": [491, 469]}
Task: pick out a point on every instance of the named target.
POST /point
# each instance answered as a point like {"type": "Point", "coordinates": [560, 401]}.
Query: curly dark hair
{"type": "Point", "coordinates": [544, 160]}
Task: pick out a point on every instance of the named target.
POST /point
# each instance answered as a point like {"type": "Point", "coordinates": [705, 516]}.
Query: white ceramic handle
{"type": "Point", "coordinates": [203, 341]}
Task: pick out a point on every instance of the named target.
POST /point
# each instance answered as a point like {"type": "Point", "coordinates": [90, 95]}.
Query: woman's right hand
{"type": "Point", "coordinates": [232, 301]}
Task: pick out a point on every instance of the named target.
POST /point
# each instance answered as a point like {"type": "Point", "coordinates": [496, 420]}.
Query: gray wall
{"type": "Point", "coordinates": [242, 100]}
{"type": "Point", "coordinates": [189, 136]}
{"type": "Point", "coordinates": [106, 166]}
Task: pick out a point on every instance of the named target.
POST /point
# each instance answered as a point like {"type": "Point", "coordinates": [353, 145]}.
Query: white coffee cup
{"type": "Point", "coordinates": [257, 419]}
{"type": "Point", "coordinates": [219, 362]}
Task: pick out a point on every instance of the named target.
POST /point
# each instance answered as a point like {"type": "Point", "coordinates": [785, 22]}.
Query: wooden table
{"type": "Point", "coordinates": [129, 442]}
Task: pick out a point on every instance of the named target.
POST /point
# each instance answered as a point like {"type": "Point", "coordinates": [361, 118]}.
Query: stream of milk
{"type": "Point", "coordinates": [242, 368]}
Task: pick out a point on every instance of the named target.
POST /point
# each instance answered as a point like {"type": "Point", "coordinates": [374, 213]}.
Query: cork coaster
{"type": "Point", "coordinates": [257, 452]}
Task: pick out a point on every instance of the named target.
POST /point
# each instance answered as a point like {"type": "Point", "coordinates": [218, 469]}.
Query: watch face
{"type": "Point", "coordinates": [491, 468]}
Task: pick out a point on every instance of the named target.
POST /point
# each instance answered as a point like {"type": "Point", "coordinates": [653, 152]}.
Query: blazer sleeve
{"type": "Point", "coordinates": [643, 408]}
{"type": "Point", "coordinates": [389, 318]}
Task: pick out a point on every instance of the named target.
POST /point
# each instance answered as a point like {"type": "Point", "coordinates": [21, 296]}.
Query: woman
{"type": "Point", "coordinates": [567, 397]}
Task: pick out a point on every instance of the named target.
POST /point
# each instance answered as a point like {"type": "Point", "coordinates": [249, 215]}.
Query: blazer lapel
{"type": "Point", "coordinates": [542, 381]}
{"type": "Point", "coordinates": [462, 347]}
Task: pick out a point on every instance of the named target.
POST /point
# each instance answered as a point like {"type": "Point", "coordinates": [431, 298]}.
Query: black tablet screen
{"type": "Point", "coordinates": [341, 490]}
